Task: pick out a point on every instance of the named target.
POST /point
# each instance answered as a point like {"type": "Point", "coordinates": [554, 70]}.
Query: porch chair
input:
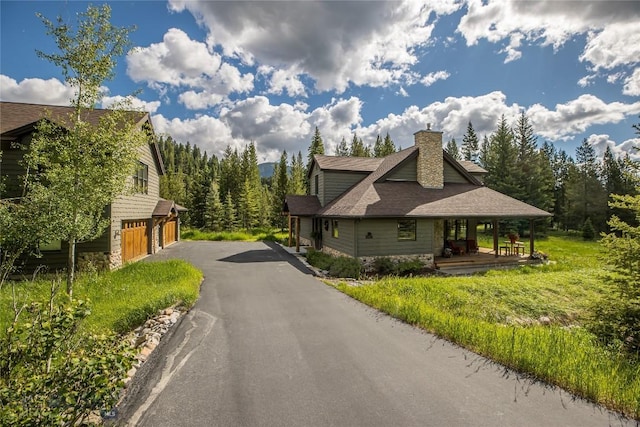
{"type": "Point", "coordinates": [457, 250]}
{"type": "Point", "coordinates": [472, 246]}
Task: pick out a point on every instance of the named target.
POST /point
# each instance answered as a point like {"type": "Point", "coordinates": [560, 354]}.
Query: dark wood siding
{"type": "Point", "coordinates": [384, 241]}
{"type": "Point", "coordinates": [135, 206]}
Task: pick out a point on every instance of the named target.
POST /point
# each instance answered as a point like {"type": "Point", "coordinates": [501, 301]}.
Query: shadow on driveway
{"type": "Point", "coordinates": [274, 254]}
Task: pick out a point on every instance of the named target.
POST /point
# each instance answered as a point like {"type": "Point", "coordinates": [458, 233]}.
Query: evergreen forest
{"type": "Point", "coordinates": [228, 193]}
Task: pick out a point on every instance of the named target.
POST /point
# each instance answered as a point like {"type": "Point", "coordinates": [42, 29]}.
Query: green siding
{"type": "Point", "coordinates": [336, 183]}
{"type": "Point", "coordinates": [306, 224]}
{"type": "Point", "coordinates": [453, 176]}
{"type": "Point", "coordinates": [346, 234]}
{"type": "Point", "coordinates": [407, 172]}
{"type": "Point", "coordinates": [385, 238]}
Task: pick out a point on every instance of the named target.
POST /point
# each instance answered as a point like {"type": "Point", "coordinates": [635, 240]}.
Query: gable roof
{"type": "Point", "coordinates": [346, 163]}
{"type": "Point", "coordinates": [301, 205]}
{"type": "Point", "coordinates": [166, 208]}
{"type": "Point", "coordinates": [16, 116]}
{"type": "Point", "coordinates": [373, 197]}
{"type": "Point", "coordinates": [17, 119]}
{"type": "Point", "coordinates": [472, 167]}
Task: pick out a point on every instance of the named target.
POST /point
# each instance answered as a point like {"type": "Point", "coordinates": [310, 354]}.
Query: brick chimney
{"type": "Point", "coordinates": [430, 163]}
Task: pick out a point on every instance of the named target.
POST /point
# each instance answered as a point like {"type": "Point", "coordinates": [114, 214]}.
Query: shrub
{"type": "Point", "coordinates": [345, 267]}
{"type": "Point", "coordinates": [588, 232]}
{"type": "Point", "coordinates": [319, 259]}
{"type": "Point", "coordinates": [406, 268]}
{"type": "Point", "coordinates": [50, 374]}
{"type": "Point", "coordinates": [384, 266]}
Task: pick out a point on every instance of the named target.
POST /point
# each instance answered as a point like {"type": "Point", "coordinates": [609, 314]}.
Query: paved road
{"type": "Point", "coordinates": [267, 344]}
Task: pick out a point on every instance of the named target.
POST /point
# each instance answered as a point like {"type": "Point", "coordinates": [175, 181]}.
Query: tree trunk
{"type": "Point", "coordinates": [71, 266]}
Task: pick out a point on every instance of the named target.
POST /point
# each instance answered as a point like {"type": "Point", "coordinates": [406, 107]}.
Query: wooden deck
{"type": "Point", "coordinates": [484, 260]}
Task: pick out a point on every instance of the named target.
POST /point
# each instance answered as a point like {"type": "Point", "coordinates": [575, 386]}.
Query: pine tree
{"type": "Point", "coordinates": [388, 147]}
{"type": "Point", "coordinates": [585, 193]}
{"type": "Point", "coordinates": [230, 216]}
{"type": "Point", "coordinates": [357, 148]}
{"type": "Point", "coordinates": [452, 149]}
{"type": "Point", "coordinates": [470, 144]}
{"type": "Point", "coordinates": [279, 189]}
{"type": "Point", "coordinates": [533, 171]}
{"type": "Point", "coordinates": [214, 209]}
{"type": "Point", "coordinates": [377, 147]}
{"type": "Point", "coordinates": [316, 147]}
{"type": "Point", "coordinates": [342, 149]}
{"type": "Point", "coordinates": [499, 159]}
{"type": "Point", "coordinates": [297, 180]}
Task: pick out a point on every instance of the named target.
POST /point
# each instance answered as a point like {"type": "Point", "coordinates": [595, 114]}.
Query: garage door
{"type": "Point", "coordinates": [135, 239]}
{"type": "Point", "coordinates": [170, 232]}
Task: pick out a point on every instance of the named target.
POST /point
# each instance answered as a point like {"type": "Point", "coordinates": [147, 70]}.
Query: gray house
{"type": "Point", "coordinates": [140, 223]}
{"type": "Point", "coordinates": [409, 204]}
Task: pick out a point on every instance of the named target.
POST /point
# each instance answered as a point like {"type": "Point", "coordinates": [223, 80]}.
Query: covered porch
{"type": "Point", "coordinates": [484, 260]}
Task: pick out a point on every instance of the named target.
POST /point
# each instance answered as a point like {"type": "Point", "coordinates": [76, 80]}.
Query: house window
{"type": "Point", "coordinates": [456, 229]}
{"type": "Point", "coordinates": [316, 181]}
{"type": "Point", "coordinates": [334, 228]}
{"type": "Point", "coordinates": [141, 179]}
{"type": "Point", "coordinates": [406, 229]}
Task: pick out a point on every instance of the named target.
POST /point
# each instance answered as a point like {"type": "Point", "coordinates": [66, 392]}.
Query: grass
{"type": "Point", "coordinates": [242, 235]}
{"type": "Point", "coordinates": [120, 300]}
{"type": "Point", "coordinates": [497, 315]}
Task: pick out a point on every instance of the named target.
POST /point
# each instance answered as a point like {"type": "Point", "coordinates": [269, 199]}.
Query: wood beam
{"type": "Point", "coordinates": [495, 237]}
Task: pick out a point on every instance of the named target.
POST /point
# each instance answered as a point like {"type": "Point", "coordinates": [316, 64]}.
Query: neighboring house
{"type": "Point", "coordinates": [140, 223]}
{"type": "Point", "coordinates": [408, 204]}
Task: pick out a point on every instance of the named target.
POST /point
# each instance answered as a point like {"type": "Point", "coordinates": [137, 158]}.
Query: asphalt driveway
{"type": "Point", "coordinates": [268, 344]}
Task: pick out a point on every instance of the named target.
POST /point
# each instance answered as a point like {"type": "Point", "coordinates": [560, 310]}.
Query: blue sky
{"type": "Point", "coordinates": [226, 73]}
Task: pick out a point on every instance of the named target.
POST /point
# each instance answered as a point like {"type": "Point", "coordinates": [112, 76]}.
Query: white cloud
{"type": "Point", "coordinates": [632, 83]}
{"type": "Point", "coordinates": [615, 45]}
{"type": "Point", "coordinates": [36, 91]}
{"type": "Point", "coordinates": [450, 116]}
{"type": "Point", "coordinates": [281, 80]}
{"type": "Point", "coordinates": [601, 142]}
{"type": "Point", "coordinates": [131, 102]}
{"type": "Point", "coordinates": [576, 116]}
{"type": "Point", "coordinates": [612, 27]}
{"type": "Point", "coordinates": [179, 61]}
{"type": "Point", "coordinates": [335, 43]}
{"type": "Point", "coordinates": [208, 133]}
{"type": "Point", "coordinates": [431, 78]}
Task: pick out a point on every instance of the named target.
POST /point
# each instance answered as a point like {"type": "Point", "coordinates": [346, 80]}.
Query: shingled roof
{"type": "Point", "coordinates": [374, 197]}
{"type": "Point", "coordinates": [301, 205]}
{"type": "Point", "coordinates": [17, 119]}
{"type": "Point", "coordinates": [15, 116]}
{"type": "Point", "coordinates": [351, 164]}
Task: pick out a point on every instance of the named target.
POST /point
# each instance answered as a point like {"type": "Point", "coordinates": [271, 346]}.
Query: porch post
{"type": "Point", "coordinates": [290, 230]}
{"type": "Point", "coordinates": [531, 229]}
{"type": "Point", "coordinates": [495, 237]}
{"type": "Point", "coordinates": [297, 234]}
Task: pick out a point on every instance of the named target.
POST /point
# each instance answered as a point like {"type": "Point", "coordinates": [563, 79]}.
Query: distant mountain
{"type": "Point", "coordinates": [266, 169]}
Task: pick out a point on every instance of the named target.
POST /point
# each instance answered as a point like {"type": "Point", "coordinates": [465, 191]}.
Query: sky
{"type": "Point", "coordinates": [225, 73]}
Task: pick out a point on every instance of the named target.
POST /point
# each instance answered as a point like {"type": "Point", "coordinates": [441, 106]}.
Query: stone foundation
{"type": "Point", "coordinates": [93, 260]}
{"type": "Point", "coordinates": [367, 261]}
{"type": "Point", "coordinates": [426, 259]}
{"type": "Point", "coordinates": [115, 260]}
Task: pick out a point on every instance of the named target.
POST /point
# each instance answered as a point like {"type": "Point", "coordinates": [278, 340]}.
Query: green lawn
{"type": "Point", "coordinates": [120, 300]}
{"type": "Point", "coordinates": [254, 235]}
{"type": "Point", "coordinates": [497, 314]}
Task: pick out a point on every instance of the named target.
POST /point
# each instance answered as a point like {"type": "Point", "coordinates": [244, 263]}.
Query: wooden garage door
{"type": "Point", "coordinates": [170, 231]}
{"type": "Point", "coordinates": [135, 239]}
